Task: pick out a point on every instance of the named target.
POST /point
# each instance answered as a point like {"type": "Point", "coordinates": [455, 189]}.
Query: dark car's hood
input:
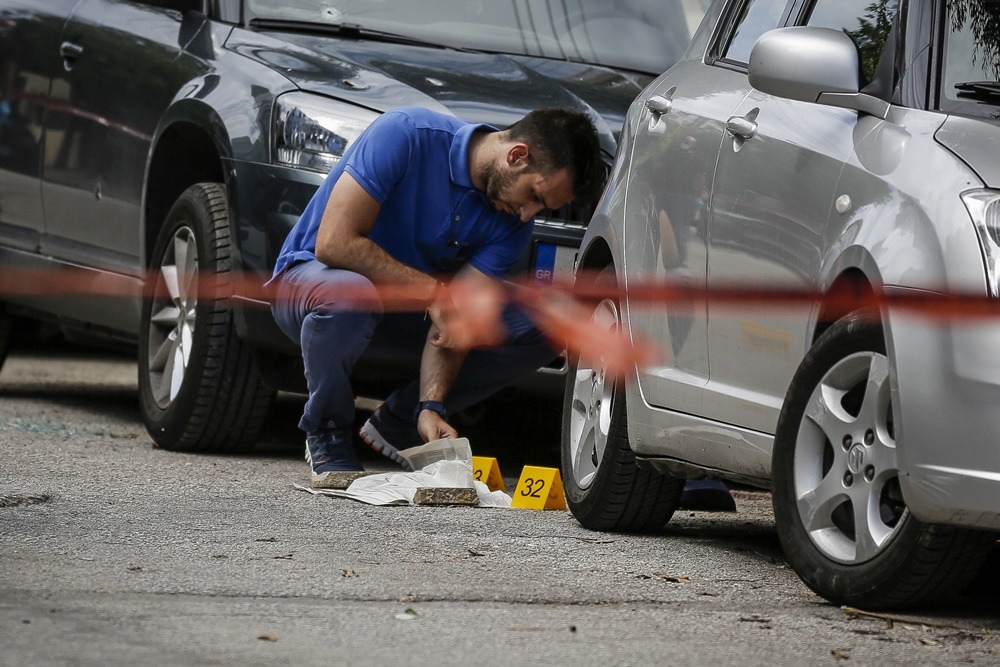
{"type": "Point", "coordinates": [479, 87]}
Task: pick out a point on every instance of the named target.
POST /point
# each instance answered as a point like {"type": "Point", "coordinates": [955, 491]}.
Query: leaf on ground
{"type": "Point", "coordinates": [840, 654]}
{"type": "Point", "coordinates": [268, 637]}
{"type": "Point", "coordinates": [407, 615]}
{"type": "Point", "coordinates": [348, 574]}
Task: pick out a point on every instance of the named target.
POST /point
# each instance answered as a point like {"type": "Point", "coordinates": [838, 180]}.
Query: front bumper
{"type": "Point", "coordinates": [947, 391]}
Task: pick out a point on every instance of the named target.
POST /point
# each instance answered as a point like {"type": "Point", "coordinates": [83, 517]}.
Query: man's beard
{"type": "Point", "coordinates": [498, 183]}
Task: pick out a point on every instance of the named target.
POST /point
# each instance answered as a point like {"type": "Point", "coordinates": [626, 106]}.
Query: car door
{"type": "Point", "coordinates": [673, 163]}
{"type": "Point", "coordinates": [29, 43]}
{"type": "Point", "coordinates": [774, 191]}
{"type": "Point", "coordinates": [124, 63]}
{"type": "Point", "coordinates": [677, 144]}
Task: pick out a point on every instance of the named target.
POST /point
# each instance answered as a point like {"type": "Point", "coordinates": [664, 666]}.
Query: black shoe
{"type": "Point", "coordinates": [332, 451]}
{"type": "Point", "coordinates": [706, 495]}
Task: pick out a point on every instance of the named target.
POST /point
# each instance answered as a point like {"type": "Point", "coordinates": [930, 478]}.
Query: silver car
{"type": "Point", "coordinates": [843, 147]}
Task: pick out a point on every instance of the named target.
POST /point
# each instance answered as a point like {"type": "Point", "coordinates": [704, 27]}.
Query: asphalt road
{"type": "Point", "coordinates": [114, 552]}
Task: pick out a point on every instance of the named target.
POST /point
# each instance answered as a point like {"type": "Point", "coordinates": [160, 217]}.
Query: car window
{"type": "Point", "coordinates": [867, 22]}
{"type": "Point", "coordinates": [972, 53]}
{"type": "Point", "coordinates": [754, 19]}
{"type": "Point", "coordinates": [642, 35]}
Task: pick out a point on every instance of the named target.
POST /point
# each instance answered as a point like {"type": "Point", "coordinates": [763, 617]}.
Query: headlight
{"type": "Point", "coordinates": [984, 207]}
{"type": "Point", "coordinates": [312, 132]}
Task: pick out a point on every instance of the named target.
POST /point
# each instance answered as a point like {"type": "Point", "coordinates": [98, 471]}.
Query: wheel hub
{"type": "Point", "coordinates": [856, 459]}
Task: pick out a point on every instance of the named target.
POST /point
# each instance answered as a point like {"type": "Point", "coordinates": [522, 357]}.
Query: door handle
{"type": "Point", "coordinates": [70, 52]}
{"type": "Point", "coordinates": [743, 127]}
{"type": "Point", "coordinates": [658, 105]}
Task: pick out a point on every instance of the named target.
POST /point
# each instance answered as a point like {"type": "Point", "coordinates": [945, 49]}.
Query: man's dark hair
{"type": "Point", "coordinates": [561, 138]}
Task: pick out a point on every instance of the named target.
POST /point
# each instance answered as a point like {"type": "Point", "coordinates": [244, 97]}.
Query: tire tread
{"type": "Point", "coordinates": [231, 399]}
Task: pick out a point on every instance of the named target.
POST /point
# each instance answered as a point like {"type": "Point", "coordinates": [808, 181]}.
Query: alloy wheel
{"type": "Point", "coordinates": [846, 476]}
{"type": "Point", "coordinates": [172, 319]}
{"type": "Point", "coordinates": [590, 417]}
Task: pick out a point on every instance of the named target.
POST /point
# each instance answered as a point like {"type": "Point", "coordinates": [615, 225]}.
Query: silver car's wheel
{"type": "Point", "coordinates": [605, 489]}
{"type": "Point", "coordinates": [846, 479]}
{"type": "Point", "coordinates": [838, 506]}
{"type": "Point", "coordinates": [199, 387]}
{"type": "Point", "coordinates": [590, 407]}
{"type": "Point", "coordinates": [173, 316]}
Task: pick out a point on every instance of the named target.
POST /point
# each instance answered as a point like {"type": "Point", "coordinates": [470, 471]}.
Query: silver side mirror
{"type": "Point", "coordinates": [819, 65]}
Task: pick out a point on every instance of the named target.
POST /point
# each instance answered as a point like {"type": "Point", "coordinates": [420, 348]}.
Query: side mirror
{"type": "Point", "coordinates": [819, 65]}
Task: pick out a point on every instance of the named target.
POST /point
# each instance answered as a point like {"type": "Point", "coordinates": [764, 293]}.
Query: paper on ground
{"type": "Point", "coordinates": [439, 463]}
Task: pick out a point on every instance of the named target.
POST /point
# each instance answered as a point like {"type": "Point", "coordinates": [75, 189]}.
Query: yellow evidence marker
{"type": "Point", "coordinates": [539, 489]}
{"type": "Point", "coordinates": [485, 469]}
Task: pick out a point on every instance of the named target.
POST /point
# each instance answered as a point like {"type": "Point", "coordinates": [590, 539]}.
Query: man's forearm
{"type": "Point", "coordinates": [438, 369]}
{"type": "Point", "coordinates": [361, 255]}
{"type": "Point", "coordinates": [342, 241]}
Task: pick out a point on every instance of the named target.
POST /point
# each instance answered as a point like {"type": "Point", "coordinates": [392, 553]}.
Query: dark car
{"type": "Point", "coordinates": [155, 153]}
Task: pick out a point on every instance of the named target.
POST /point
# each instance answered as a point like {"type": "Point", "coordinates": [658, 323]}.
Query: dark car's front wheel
{"type": "Point", "coordinates": [199, 387]}
{"type": "Point", "coordinates": [838, 506]}
{"type": "Point", "coordinates": [605, 489]}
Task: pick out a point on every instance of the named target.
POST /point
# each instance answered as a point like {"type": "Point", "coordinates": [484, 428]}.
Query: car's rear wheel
{"type": "Point", "coordinates": [839, 510]}
{"type": "Point", "coordinates": [605, 489]}
{"type": "Point", "coordinates": [199, 387]}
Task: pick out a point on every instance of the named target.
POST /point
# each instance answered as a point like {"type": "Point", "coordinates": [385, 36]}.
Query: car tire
{"type": "Point", "coordinates": [199, 387]}
{"type": "Point", "coordinates": [824, 475]}
{"type": "Point", "coordinates": [605, 489]}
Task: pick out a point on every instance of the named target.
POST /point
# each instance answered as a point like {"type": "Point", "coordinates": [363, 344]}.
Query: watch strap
{"type": "Point", "coordinates": [433, 406]}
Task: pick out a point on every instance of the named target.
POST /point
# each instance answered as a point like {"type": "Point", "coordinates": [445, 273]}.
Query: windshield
{"type": "Point", "coordinates": [972, 51]}
{"type": "Point", "coordinates": [642, 35]}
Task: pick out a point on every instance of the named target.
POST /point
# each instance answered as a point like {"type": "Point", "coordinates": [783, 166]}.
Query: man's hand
{"type": "Point", "coordinates": [467, 313]}
{"type": "Point", "coordinates": [444, 318]}
{"type": "Point", "coordinates": [431, 426]}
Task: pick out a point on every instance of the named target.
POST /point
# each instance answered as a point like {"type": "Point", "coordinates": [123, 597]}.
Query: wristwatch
{"type": "Point", "coordinates": [433, 406]}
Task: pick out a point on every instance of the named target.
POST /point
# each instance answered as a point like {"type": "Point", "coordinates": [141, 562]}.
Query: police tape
{"type": "Point", "coordinates": [564, 314]}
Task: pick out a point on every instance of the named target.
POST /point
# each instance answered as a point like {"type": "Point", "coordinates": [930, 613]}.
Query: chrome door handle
{"type": "Point", "coordinates": [658, 105]}
{"type": "Point", "coordinates": [742, 127]}
{"type": "Point", "coordinates": [70, 52]}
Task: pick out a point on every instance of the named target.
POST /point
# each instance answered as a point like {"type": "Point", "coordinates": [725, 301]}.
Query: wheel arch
{"type": "Point", "coordinates": [184, 154]}
{"type": "Point", "coordinates": [851, 285]}
{"type": "Point", "coordinates": [596, 256]}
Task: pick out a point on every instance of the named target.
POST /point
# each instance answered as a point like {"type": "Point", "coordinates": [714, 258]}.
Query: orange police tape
{"type": "Point", "coordinates": [563, 314]}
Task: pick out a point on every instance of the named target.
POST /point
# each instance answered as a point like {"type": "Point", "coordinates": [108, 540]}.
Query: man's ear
{"type": "Point", "coordinates": [518, 155]}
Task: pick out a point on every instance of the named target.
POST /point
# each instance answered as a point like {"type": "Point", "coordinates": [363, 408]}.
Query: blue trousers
{"type": "Point", "coordinates": [322, 310]}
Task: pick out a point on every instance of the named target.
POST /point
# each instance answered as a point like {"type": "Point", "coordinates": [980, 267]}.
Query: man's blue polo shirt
{"type": "Point", "coordinates": [415, 164]}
